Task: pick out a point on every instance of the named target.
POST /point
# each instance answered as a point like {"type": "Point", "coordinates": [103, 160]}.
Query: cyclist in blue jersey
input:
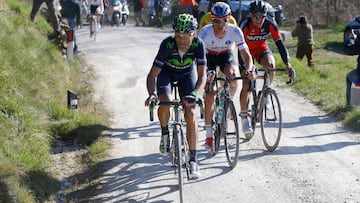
{"type": "Point", "coordinates": [181, 58]}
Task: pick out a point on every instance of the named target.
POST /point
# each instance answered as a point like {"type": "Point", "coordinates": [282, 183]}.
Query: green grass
{"type": "Point", "coordinates": [34, 79]}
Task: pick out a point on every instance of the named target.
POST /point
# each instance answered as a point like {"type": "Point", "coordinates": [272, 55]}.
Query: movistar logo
{"type": "Point", "coordinates": [170, 45]}
{"type": "Point", "coordinates": [175, 62]}
{"type": "Point", "coordinates": [195, 43]}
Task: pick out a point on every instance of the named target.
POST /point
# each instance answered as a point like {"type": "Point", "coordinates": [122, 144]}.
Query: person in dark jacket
{"type": "Point", "coordinates": [159, 6]}
{"type": "Point", "coordinates": [52, 15]}
{"type": "Point", "coordinates": [71, 11]}
{"type": "Point", "coordinates": [305, 46]}
{"type": "Point", "coordinates": [352, 47]}
{"type": "Point", "coordinates": [138, 7]}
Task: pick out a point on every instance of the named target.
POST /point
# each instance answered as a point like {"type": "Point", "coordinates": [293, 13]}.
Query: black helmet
{"type": "Point", "coordinates": [258, 6]}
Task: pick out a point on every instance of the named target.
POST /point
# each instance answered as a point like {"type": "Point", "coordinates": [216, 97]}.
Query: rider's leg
{"type": "Point", "coordinates": [267, 60]}
{"type": "Point", "coordinates": [192, 131]}
{"type": "Point", "coordinates": [231, 70]}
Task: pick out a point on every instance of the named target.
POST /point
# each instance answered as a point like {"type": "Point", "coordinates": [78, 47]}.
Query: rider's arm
{"type": "Point", "coordinates": [283, 52]}
{"type": "Point", "coordinates": [247, 58]}
{"type": "Point", "coordinates": [201, 81]}
{"type": "Point", "coordinates": [151, 84]}
{"type": "Point", "coordinates": [276, 35]}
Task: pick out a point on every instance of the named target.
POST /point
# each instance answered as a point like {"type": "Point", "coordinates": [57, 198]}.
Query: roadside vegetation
{"type": "Point", "coordinates": [34, 79]}
{"type": "Point", "coordinates": [325, 83]}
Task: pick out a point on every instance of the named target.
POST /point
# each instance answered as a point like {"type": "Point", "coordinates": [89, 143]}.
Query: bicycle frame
{"type": "Point", "coordinates": [222, 126]}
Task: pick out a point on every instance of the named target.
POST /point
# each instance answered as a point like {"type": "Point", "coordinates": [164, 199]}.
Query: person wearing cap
{"type": "Point", "coordinates": [305, 46]}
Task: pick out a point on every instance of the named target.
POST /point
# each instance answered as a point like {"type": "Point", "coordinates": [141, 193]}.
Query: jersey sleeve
{"type": "Point", "coordinates": [159, 60]}
{"type": "Point", "coordinates": [200, 50]}
{"type": "Point", "coordinates": [240, 43]}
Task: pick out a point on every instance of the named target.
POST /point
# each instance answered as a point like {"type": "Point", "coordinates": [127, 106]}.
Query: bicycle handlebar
{"type": "Point", "coordinates": [292, 74]}
{"type": "Point", "coordinates": [154, 103]}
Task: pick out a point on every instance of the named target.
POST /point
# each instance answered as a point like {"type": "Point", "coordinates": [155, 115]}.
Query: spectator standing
{"type": "Point", "coordinates": [189, 5]}
{"type": "Point", "coordinates": [71, 11]}
{"type": "Point", "coordinates": [352, 47]}
{"type": "Point", "coordinates": [159, 6]}
{"type": "Point", "coordinates": [305, 46]}
{"type": "Point", "coordinates": [52, 15]}
{"type": "Point", "coordinates": [138, 8]}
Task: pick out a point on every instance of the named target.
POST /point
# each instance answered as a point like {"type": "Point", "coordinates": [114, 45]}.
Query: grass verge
{"type": "Point", "coordinates": [34, 79]}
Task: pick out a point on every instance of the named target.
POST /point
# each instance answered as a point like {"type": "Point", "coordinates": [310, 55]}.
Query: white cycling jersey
{"type": "Point", "coordinates": [216, 45]}
{"type": "Point", "coordinates": [99, 3]}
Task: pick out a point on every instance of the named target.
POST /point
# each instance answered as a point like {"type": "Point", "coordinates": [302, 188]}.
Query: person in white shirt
{"type": "Point", "coordinates": [96, 7]}
{"type": "Point", "coordinates": [219, 38]}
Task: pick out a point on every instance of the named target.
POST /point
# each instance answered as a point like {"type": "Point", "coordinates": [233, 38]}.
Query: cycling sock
{"type": "Point", "coordinates": [165, 130]}
{"type": "Point", "coordinates": [193, 155]}
{"type": "Point", "coordinates": [209, 130]}
{"type": "Point", "coordinates": [243, 114]}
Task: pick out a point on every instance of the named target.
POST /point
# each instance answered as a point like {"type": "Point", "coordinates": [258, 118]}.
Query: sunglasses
{"type": "Point", "coordinates": [219, 20]}
{"type": "Point", "coordinates": [257, 17]}
{"type": "Point", "coordinates": [183, 35]}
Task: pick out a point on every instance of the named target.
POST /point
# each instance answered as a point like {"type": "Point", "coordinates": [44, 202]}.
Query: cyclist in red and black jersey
{"type": "Point", "coordinates": [256, 28]}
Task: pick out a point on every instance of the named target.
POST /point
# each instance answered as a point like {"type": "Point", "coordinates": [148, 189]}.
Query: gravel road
{"type": "Point", "coordinates": [317, 159]}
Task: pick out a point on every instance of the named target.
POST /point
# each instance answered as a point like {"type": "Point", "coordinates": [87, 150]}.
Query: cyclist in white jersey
{"type": "Point", "coordinates": [95, 7]}
{"type": "Point", "coordinates": [219, 38]}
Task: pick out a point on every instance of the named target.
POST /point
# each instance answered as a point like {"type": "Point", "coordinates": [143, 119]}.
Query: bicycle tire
{"type": "Point", "coordinates": [230, 130]}
{"type": "Point", "coordinates": [270, 119]}
{"type": "Point", "coordinates": [254, 100]}
{"type": "Point", "coordinates": [217, 136]}
{"type": "Point", "coordinates": [95, 27]}
{"type": "Point", "coordinates": [179, 162]}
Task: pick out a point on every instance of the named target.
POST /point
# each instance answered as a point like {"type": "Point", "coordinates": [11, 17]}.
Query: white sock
{"type": "Point", "coordinates": [209, 130]}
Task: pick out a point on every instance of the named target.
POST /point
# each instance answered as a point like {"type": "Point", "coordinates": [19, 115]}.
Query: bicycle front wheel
{"type": "Point", "coordinates": [270, 119]}
{"type": "Point", "coordinates": [231, 133]}
{"type": "Point", "coordinates": [178, 133]}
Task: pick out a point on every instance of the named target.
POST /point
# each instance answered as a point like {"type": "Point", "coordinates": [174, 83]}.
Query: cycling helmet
{"type": "Point", "coordinates": [185, 23]}
{"type": "Point", "coordinates": [258, 6]}
{"type": "Point", "coordinates": [220, 10]}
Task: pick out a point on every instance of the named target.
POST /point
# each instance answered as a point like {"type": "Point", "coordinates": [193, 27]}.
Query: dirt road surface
{"type": "Point", "coordinates": [318, 160]}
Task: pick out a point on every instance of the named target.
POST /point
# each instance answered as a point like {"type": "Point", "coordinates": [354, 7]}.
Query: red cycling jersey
{"type": "Point", "coordinates": [256, 37]}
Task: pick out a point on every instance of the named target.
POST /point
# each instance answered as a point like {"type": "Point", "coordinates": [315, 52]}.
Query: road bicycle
{"type": "Point", "coordinates": [266, 108]}
{"type": "Point", "coordinates": [225, 122]}
{"type": "Point", "coordinates": [179, 148]}
{"type": "Point", "coordinates": [95, 26]}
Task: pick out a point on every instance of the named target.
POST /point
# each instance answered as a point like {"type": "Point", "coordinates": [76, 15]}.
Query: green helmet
{"type": "Point", "coordinates": [185, 23]}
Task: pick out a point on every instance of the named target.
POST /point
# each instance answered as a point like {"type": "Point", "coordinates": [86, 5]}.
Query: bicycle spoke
{"type": "Point", "coordinates": [231, 133]}
{"type": "Point", "coordinates": [271, 120]}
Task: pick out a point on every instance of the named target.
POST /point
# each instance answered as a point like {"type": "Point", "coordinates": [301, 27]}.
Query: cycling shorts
{"type": "Point", "coordinates": [186, 82]}
{"type": "Point", "coordinates": [258, 54]}
{"type": "Point", "coordinates": [93, 9]}
{"type": "Point", "coordinates": [221, 60]}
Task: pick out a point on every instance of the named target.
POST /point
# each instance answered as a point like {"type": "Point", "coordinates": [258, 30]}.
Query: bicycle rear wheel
{"type": "Point", "coordinates": [270, 119]}
{"type": "Point", "coordinates": [178, 133]}
{"type": "Point", "coordinates": [231, 133]}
